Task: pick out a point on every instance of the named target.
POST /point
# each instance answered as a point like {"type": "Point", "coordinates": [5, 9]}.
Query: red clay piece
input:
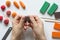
{"type": "Point", "coordinates": [8, 13]}
{"type": "Point", "coordinates": [1, 18]}
{"type": "Point", "coordinates": [3, 7]}
{"type": "Point", "coordinates": [6, 21]}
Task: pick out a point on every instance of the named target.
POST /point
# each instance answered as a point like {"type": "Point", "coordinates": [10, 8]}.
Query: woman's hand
{"type": "Point", "coordinates": [18, 24]}
{"type": "Point", "coordinates": [37, 27]}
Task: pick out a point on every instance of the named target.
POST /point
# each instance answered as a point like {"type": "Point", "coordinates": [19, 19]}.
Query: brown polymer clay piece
{"type": "Point", "coordinates": [57, 15]}
{"type": "Point", "coordinates": [8, 3]}
{"type": "Point", "coordinates": [16, 4]}
{"type": "Point", "coordinates": [27, 19]}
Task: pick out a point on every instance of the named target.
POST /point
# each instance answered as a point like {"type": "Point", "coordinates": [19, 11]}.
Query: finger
{"type": "Point", "coordinates": [32, 19]}
{"type": "Point", "coordinates": [37, 19]}
{"type": "Point", "coordinates": [31, 25]}
{"type": "Point", "coordinates": [17, 17]}
{"type": "Point", "coordinates": [15, 21]}
{"type": "Point", "coordinates": [22, 20]}
{"type": "Point", "coordinates": [25, 27]}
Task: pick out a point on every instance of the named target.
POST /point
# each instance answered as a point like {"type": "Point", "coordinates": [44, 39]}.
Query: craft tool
{"type": "Point", "coordinates": [50, 20]}
{"type": "Point", "coordinates": [7, 33]}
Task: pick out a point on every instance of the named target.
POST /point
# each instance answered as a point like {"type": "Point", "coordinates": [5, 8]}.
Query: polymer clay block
{"type": "Point", "coordinates": [56, 35]}
{"type": "Point", "coordinates": [57, 15]}
{"type": "Point", "coordinates": [57, 26]}
{"type": "Point", "coordinates": [44, 7]}
{"type": "Point", "coordinates": [52, 9]}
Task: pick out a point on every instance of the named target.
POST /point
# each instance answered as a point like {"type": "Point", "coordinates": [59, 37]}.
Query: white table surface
{"type": "Point", "coordinates": [32, 8]}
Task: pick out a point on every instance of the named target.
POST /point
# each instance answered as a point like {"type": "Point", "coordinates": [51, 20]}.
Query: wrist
{"type": "Point", "coordinates": [15, 38]}
{"type": "Point", "coordinates": [41, 37]}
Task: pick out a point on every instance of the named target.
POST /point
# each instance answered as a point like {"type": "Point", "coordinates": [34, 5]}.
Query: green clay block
{"type": "Point", "coordinates": [52, 9]}
{"type": "Point", "coordinates": [44, 7]}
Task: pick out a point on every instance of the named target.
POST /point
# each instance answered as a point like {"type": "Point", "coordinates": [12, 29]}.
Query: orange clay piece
{"type": "Point", "coordinates": [14, 14]}
{"type": "Point", "coordinates": [22, 4]}
{"type": "Point", "coordinates": [16, 4]}
{"type": "Point", "coordinates": [8, 3]}
{"type": "Point", "coordinates": [57, 26]}
{"type": "Point", "coordinates": [56, 35]}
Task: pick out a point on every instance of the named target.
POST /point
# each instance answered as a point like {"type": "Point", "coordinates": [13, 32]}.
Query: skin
{"type": "Point", "coordinates": [36, 24]}
{"type": "Point", "coordinates": [17, 28]}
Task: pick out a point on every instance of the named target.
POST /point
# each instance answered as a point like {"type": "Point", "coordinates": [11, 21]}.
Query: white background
{"type": "Point", "coordinates": [32, 8]}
